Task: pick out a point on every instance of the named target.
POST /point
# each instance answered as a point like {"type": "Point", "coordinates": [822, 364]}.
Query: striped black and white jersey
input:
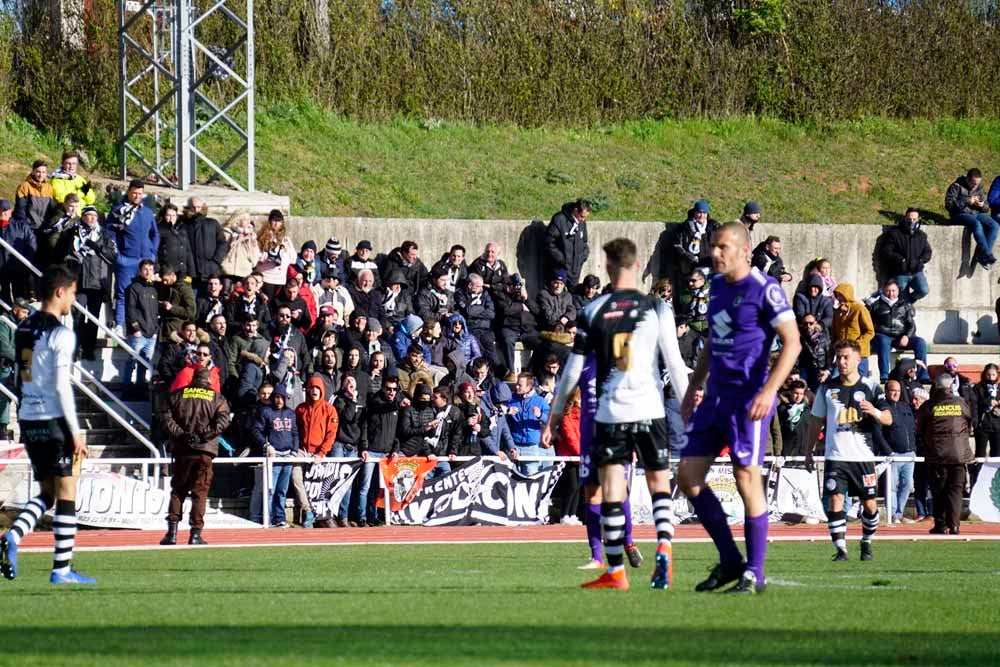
{"type": "Point", "coordinates": [849, 431]}
{"type": "Point", "coordinates": [632, 336]}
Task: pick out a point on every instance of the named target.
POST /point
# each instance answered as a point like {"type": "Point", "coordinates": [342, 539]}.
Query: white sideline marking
{"type": "Point", "coordinates": [364, 543]}
{"type": "Point", "coordinates": [845, 587]}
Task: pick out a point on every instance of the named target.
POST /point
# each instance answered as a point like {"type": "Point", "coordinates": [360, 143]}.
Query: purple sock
{"type": "Point", "coordinates": [713, 518]}
{"type": "Point", "coordinates": [755, 533]}
{"type": "Point", "coordinates": [592, 519]}
{"type": "Point", "coordinates": [627, 506]}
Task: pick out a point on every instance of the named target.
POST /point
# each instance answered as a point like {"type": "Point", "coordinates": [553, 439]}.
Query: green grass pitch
{"type": "Point", "coordinates": [502, 604]}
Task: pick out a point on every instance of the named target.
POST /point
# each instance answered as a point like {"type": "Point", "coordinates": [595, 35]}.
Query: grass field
{"type": "Point", "coordinates": [645, 170]}
{"type": "Point", "coordinates": [917, 604]}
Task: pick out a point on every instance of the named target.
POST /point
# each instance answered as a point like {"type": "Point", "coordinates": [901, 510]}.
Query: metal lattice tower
{"type": "Point", "coordinates": [184, 100]}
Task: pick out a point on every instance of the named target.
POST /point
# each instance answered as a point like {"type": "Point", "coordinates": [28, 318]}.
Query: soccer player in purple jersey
{"type": "Point", "coordinates": [746, 310]}
{"type": "Point", "coordinates": [589, 478]}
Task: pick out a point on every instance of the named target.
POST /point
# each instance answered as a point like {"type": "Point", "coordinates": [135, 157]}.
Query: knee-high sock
{"type": "Point", "coordinates": [627, 508]}
{"type": "Point", "coordinates": [29, 516]}
{"type": "Point", "coordinates": [837, 523]}
{"type": "Point", "coordinates": [869, 524]}
{"type": "Point", "coordinates": [64, 529]}
{"type": "Point", "coordinates": [613, 524]}
{"type": "Point", "coordinates": [713, 518]}
{"type": "Point", "coordinates": [663, 519]}
{"type": "Point", "coordinates": [592, 518]}
{"type": "Point", "coordinates": [755, 534]}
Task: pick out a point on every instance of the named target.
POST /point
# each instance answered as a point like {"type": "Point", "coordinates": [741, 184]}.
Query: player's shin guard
{"type": "Point", "coordinates": [713, 518]}
{"type": "Point", "coordinates": [663, 518]}
{"type": "Point", "coordinates": [592, 518]}
{"type": "Point", "coordinates": [869, 524]}
{"type": "Point", "coordinates": [29, 516]}
{"type": "Point", "coordinates": [837, 523]}
{"type": "Point", "coordinates": [64, 530]}
{"type": "Point", "coordinates": [755, 534]}
{"type": "Point", "coordinates": [613, 524]}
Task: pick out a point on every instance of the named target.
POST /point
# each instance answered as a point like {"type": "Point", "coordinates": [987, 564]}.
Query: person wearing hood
{"type": "Point", "coordinates": [396, 302]}
{"type": "Point", "coordinates": [459, 338]}
{"type": "Point", "coordinates": [434, 301]}
{"type": "Point", "coordinates": [905, 373]}
{"type": "Point", "coordinates": [693, 240]}
{"type": "Point", "coordinates": [967, 205]}
{"type": "Point", "coordinates": [406, 260]}
{"type": "Point", "coordinates": [555, 304]}
{"type": "Point", "coordinates": [175, 245]}
{"type": "Point", "coordinates": [349, 406]}
{"type": "Point", "coordinates": [406, 334]}
{"type": "Point", "coordinates": [352, 366]}
{"type": "Point", "coordinates": [812, 301]}
{"type": "Point", "coordinates": [33, 200]}
{"type": "Point", "coordinates": [751, 220]}
{"type": "Point", "coordinates": [176, 301]}
{"type": "Point", "coordinates": [276, 433]}
{"type": "Point", "coordinates": [944, 424]}
{"type": "Point", "coordinates": [454, 363]}
{"type": "Point", "coordinates": [195, 418]}
{"type": "Point", "coordinates": [15, 278]}
{"type": "Point", "coordinates": [851, 321]}
{"type": "Point", "coordinates": [88, 249]}
{"type": "Point", "coordinates": [566, 242]}
{"type": "Point", "coordinates": [67, 216]}
{"type": "Point", "coordinates": [902, 252]}
{"type": "Point", "coordinates": [66, 180]}
{"type": "Point", "coordinates": [494, 404]}
{"type": "Point", "coordinates": [209, 243]}
{"type": "Point", "coordinates": [282, 372]}
{"type": "Point", "coordinates": [895, 327]}
{"type": "Point", "coordinates": [527, 415]}
{"type": "Point", "coordinates": [317, 423]}
{"type": "Point", "coordinates": [418, 425]}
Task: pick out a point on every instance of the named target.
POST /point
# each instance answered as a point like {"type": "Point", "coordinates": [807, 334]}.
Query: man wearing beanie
{"type": "Point", "coordinates": [308, 265]}
{"type": "Point", "coordinates": [332, 256]}
{"type": "Point", "coordinates": [751, 219]}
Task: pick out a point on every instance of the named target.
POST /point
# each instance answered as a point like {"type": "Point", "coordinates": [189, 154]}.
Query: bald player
{"type": "Point", "coordinates": [747, 309]}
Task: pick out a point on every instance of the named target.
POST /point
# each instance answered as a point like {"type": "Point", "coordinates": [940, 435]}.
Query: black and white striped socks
{"type": "Point", "coordinates": [64, 529]}
{"type": "Point", "coordinates": [29, 516]}
{"type": "Point", "coordinates": [837, 523]}
{"type": "Point", "coordinates": [613, 527]}
{"type": "Point", "coordinates": [663, 518]}
{"type": "Point", "coordinates": [869, 524]}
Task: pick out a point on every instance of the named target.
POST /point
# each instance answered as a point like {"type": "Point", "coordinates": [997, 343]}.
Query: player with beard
{"type": "Point", "coordinates": [631, 334]}
{"type": "Point", "coordinates": [746, 310]}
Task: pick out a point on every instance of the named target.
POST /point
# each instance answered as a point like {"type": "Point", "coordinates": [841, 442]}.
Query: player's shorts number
{"type": "Point", "coordinates": [622, 350]}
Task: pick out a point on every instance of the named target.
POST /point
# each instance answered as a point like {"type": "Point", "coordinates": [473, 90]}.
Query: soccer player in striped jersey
{"type": "Point", "coordinates": [746, 310]}
{"type": "Point", "coordinates": [631, 334]}
{"type": "Point", "coordinates": [848, 408]}
{"type": "Point", "coordinates": [49, 426]}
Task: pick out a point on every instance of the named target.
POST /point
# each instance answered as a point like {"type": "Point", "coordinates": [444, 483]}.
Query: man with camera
{"type": "Point", "coordinates": [196, 416]}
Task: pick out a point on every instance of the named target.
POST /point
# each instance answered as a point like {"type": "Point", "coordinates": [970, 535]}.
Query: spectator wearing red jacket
{"type": "Point", "coordinates": [200, 358]}
{"type": "Point", "coordinates": [317, 422]}
{"type": "Point", "coordinates": [568, 444]}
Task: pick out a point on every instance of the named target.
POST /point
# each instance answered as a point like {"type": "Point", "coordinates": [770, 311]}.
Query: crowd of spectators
{"type": "Point", "coordinates": [326, 352]}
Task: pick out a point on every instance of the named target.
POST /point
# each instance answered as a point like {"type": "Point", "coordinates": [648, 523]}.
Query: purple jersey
{"type": "Point", "coordinates": [742, 317]}
{"type": "Point", "coordinates": [588, 402]}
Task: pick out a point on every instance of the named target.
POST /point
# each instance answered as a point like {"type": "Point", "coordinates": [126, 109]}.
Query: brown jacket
{"type": "Point", "coordinates": [944, 425]}
{"type": "Point", "coordinates": [196, 417]}
{"type": "Point", "coordinates": [855, 323]}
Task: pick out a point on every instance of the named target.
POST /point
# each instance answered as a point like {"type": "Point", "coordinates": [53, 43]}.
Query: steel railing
{"type": "Point", "coordinates": [267, 463]}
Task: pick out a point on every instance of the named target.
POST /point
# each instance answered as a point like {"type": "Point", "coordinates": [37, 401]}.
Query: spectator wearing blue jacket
{"type": "Point", "coordinates": [15, 279]}
{"type": "Point", "coordinates": [276, 433]}
{"type": "Point", "coordinates": [993, 199]}
{"type": "Point", "coordinates": [135, 232]}
{"type": "Point", "coordinates": [407, 333]}
{"type": "Point", "coordinates": [526, 416]}
{"type": "Point", "coordinates": [494, 403]}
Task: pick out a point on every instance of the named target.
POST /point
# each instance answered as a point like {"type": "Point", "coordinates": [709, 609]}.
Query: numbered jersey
{"type": "Point", "coordinates": [43, 346]}
{"type": "Point", "coordinates": [848, 434]}
{"type": "Point", "coordinates": [623, 330]}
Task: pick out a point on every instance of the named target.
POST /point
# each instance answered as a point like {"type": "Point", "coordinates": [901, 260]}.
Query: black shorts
{"type": "Point", "coordinates": [852, 478]}
{"type": "Point", "coordinates": [613, 444]}
{"type": "Point", "coordinates": [49, 444]}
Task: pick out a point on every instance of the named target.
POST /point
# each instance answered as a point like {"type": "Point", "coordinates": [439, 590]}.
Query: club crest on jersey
{"type": "Point", "coordinates": [868, 480]}
{"type": "Point", "coordinates": [738, 300]}
{"type": "Point", "coordinates": [776, 296]}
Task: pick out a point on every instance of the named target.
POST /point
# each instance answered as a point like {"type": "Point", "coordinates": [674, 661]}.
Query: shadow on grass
{"type": "Point", "coordinates": [408, 643]}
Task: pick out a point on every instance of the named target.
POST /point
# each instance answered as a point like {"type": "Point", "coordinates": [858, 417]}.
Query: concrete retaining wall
{"type": "Point", "coordinates": [959, 308]}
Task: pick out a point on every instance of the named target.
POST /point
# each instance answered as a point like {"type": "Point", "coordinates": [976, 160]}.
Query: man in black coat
{"type": "Point", "coordinates": [901, 254]}
{"type": "Point", "coordinates": [492, 269]}
{"type": "Point", "coordinates": [406, 258]}
{"type": "Point", "coordinates": [207, 239]}
{"type": "Point", "coordinates": [89, 249]}
{"type": "Point", "coordinates": [175, 245]}
{"type": "Point", "coordinates": [895, 327]}
{"type": "Point", "coordinates": [566, 242]}
{"type": "Point", "coordinates": [767, 259]}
